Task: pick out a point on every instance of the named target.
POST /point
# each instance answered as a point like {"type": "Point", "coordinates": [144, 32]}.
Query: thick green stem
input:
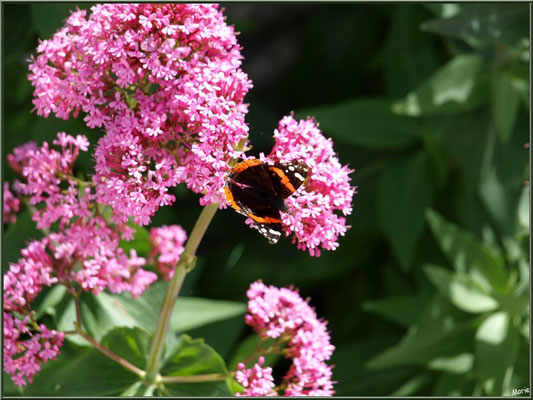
{"type": "Point", "coordinates": [194, 378]}
{"type": "Point", "coordinates": [185, 264]}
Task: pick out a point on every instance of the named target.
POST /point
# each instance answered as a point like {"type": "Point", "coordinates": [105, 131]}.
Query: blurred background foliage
{"type": "Point", "coordinates": [428, 293]}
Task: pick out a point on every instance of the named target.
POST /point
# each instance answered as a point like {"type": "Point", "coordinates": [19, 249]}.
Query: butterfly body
{"type": "Point", "coordinates": [258, 190]}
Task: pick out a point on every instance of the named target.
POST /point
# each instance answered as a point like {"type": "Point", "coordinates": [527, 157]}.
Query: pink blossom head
{"type": "Point", "coordinates": [43, 170]}
{"type": "Point", "coordinates": [319, 207]}
{"type": "Point", "coordinates": [26, 348]}
{"type": "Point", "coordinates": [257, 380]}
{"type": "Point", "coordinates": [165, 82]}
{"type": "Point", "coordinates": [283, 315]}
{"type": "Point", "coordinates": [167, 245]}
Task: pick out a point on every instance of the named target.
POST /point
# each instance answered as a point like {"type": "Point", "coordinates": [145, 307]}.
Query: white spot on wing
{"type": "Point", "coordinates": [298, 176]}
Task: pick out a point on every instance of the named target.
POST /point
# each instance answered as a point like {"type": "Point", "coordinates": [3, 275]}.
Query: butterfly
{"type": "Point", "coordinates": [258, 190]}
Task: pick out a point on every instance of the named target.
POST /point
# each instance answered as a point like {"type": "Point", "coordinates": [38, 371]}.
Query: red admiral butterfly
{"type": "Point", "coordinates": [258, 190]}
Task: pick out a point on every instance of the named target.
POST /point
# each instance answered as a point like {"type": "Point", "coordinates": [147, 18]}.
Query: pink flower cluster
{"type": "Point", "coordinates": [44, 169]}
{"type": "Point", "coordinates": [11, 205]}
{"type": "Point", "coordinates": [314, 222]}
{"type": "Point", "coordinates": [283, 315]}
{"type": "Point", "coordinates": [164, 80]}
{"type": "Point", "coordinates": [86, 249]}
{"type": "Point", "coordinates": [83, 253]}
{"type": "Point", "coordinates": [257, 381]}
{"type": "Point", "coordinates": [167, 245]}
{"type": "Point", "coordinates": [26, 348]}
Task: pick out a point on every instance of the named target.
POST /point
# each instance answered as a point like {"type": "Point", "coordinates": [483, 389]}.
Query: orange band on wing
{"type": "Point", "coordinates": [230, 199]}
{"type": "Point", "coordinates": [266, 220]}
{"type": "Point", "coordinates": [284, 178]}
{"type": "Point", "coordinates": [246, 164]}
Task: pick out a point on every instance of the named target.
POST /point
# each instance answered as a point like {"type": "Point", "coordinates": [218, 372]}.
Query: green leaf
{"type": "Point", "coordinates": [505, 103]}
{"type": "Point", "coordinates": [460, 290]}
{"type": "Point", "coordinates": [484, 267]}
{"type": "Point", "coordinates": [403, 310]}
{"type": "Point", "coordinates": [221, 335]}
{"type": "Point", "coordinates": [501, 198]}
{"type": "Point", "coordinates": [408, 55]}
{"type": "Point", "coordinates": [140, 242]}
{"type": "Point", "coordinates": [436, 151]}
{"type": "Point", "coordinates": [405, 190]}
{"type": "Point", "coordinates": [520, 82]}
{"type": "Point", "coordinates": [87, 372]}
{"type": "Point", "coordinates": [483, 24]}
{"type": "Point", "coordinates": [412, 386]}
{"type": "Point", "coordinates": [458, 364]}
{"type": "Point", "coordinates": [189, 312]}
{"type": "Point", "coordinates": [51, 377]}
{"type": "Point", "coordinates": [50, 301]}
{"type": "Point", "coordinates": [444, 10]}
{"type": "Point", "coordinates": [450, 384]}
{"type": "Point", "coordinates": [366, 122]}
{"type": "Point", "coordinates": [523, 209]}
{"type": "Point", "coordinates": [496, 351]}
{"type": "Point", "coordinates": [460, 85]}
{"type": "Point", "coordinates": [139, 389]}
{"type": "Point", "coordinates": [440, 332]}
{"type": "Point", "coordinates": [102, 313]}
{"type": "Point", "coordinates": [193, 357]}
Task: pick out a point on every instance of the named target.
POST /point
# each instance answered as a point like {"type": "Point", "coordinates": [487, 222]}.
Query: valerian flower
{"type": "Point", "coordinates": [318, 209]}
{"type": "Point", "coordinates": [167, 245]}
{"type": "Point", "coordinates": [165, 83]}
{"type": "Point", "coordinates": [26, 347]}
{"type": "Point", "coordinates": [283, 315]}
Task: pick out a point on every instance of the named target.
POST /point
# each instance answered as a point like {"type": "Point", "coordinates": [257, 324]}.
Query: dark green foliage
{"type": "Point", "coordinates": [428, 292]}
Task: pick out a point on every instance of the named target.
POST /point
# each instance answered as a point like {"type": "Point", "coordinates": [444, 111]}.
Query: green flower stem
{"type": "Point", "coordinates": [194, 378]}
{"type": "Point", "coordinates": [115, 357]}
{"type": "Point", "coordinates": [126, 364]}
{"type": "Point", "coordinates": [185, 264]}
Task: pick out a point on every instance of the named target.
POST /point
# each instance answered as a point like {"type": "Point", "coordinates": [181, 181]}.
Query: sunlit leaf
{"type": "Point", "coordinates": [496, 351]}
{"type": "Point", "coordinates": [484, 266]}
{"type": "Point", "coordinates": [483, 24]}
{"type": "Point", "coordinates": [441, 331]}
{"type": "Point", "coordinates": [460, 85]}
{"type": "Point", "coordinates": [459, 290]}
{"type": "Point", "coordinates": [457, 364]}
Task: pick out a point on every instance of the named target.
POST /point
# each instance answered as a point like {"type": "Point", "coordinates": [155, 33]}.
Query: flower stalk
{"type": "Point", "coordinates": [185, 264]}
{"type": "Point", "coordinates": [115, 357]}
